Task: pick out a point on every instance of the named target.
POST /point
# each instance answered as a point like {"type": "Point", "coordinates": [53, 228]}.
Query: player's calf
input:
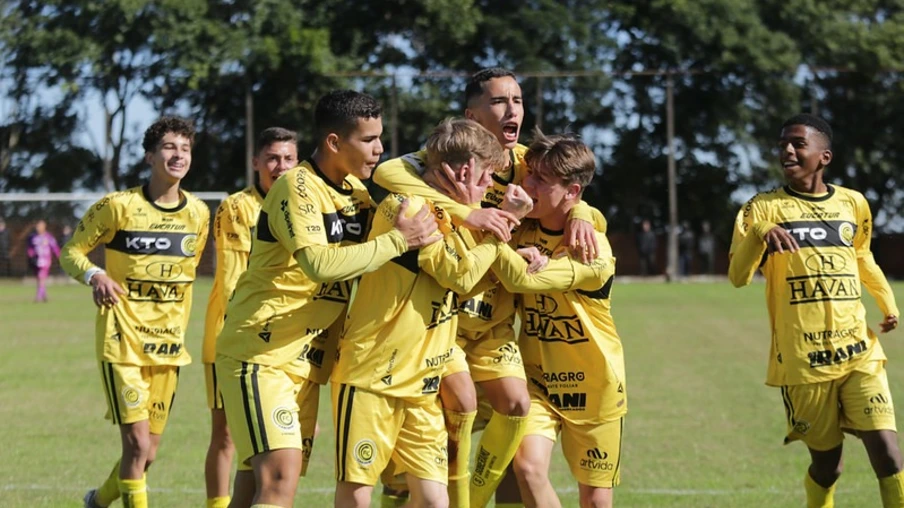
{"type": "Point", "coordinates": [883, 451]}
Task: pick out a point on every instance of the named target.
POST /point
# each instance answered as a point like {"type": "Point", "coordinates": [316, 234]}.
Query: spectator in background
{"type": "Point", "coordinates": [646, 248]}
{"type": "Point", "coordinates": [706, 247]}
{"type": "Point", "coordinates": [686, 241]}
{"type": "Point", "coordinates": [5, 266]}
{"type": "Point", "coordinates": [42, 247]}
{"type": "Point", "coordinates": [64, 239]}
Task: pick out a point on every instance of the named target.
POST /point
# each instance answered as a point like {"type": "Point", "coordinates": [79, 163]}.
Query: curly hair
{"type": "Point", "coordinates": [161, 127]}
{"type": "Point", "coordinates": [339, 111]}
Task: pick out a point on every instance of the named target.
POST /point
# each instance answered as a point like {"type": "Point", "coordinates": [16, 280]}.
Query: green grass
{"type": "Point", "coordinates": [702, 429]}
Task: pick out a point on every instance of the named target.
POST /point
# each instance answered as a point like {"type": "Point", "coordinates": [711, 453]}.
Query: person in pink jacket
{"type": "Point", "coordinates": [42, 247]}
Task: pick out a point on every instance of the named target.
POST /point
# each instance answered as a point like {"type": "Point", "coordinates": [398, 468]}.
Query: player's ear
{"type": "Point", "coordinates": [332, 142]}
{"type": "Point", "coordinates": [573, 191]}
{"type": "Point", "coordinates": [469, 114]}
{"type": "Point", "coordinates": [149, 158]}
{"type": "Point", "coordinates": [825, 158]}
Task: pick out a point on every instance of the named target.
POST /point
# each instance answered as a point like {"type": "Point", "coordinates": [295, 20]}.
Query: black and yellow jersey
{"type": "Point", "coordinates": [153, 253]}
{"type": "Point", "coordinates": [572, 352]}
{"type": "Point", "coordinates": [278, 314]}
{"type": "Point", "coordinates": [402, 320]}
{"type": "Point", "coordinates": [233, 227]}
{"type": "Point", "coordinates": [819, 329]}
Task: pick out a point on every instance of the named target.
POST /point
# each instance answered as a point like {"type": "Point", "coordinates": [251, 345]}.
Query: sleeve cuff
{"type": "Point", "coordinates": [91, 272]}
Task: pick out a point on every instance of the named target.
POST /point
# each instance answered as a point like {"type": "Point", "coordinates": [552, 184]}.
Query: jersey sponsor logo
{"type": "Point", "coordinates": [828, 357]}
{"type": "Point", "coordinates": [284, 418]}
{"type": "Point", "coordinates": [572, 401]}
{"type": "Point", "coordinates": [170, 349]}
{"type": "Point", "coordinates": [167, 227]}
{"type": "Point", "coordinates": [540, 321]}
{"type": "Point", "coordinates": [154, 291]}
{"type": "Point", "coordinates": [159, 244]}
{"type": "Point", "coordinates": [349, 224]}
{"type": "Point", "coordinates": [159, 330]}
{"type": "Point", "coordinates": [163, 270]}
{"type": "Point", "coordinates": [312, 355]}
{"type": "Point", "coordinates": [810, 289]}
{"type": "Point", "coordinates": [827, 262]}
{"type": "Point", "coordinates": [480, 465]}
{"type": "Point", "coordinates": [563, 377]}
{"type": "Point", "coordinates": [443, 311]}
{"type": "Point", "coordinates": [300, 184]}
{"type": "Point", "coordinates": [364, 452]}
{"type": "Point", "coordinates": [306, 209]}
{"type": "Point", "coordinates": [158, 411]}
{"type": "Point", "coordinates": [431, 385]}
{"type": "Point", "coordinates": [438, 360]}
{"type": "Point", "coordinates": [443, 458]}
{"type": "Point", "coordinates": [596, 460]}
{"type": "Point", "coordinates": [831, 334]}
{"type": "Point", "coordinates": [334, 291]}
{"type": "Point", "coordinates": [387, 380]}
{"type": "Point", "coordinates": [284, 206]}
{"type": "Point", "coordinates": [825, 233]}
{"type": "Point", "coordinates": [508, 354]}
{"type": "Point", "coordinates": [880, 404]}
{"type": "Point", "coordinates": [475, 307]}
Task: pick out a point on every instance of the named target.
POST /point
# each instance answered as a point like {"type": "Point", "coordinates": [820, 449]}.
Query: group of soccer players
{"type": "Point", "coordinates": [407, 308]}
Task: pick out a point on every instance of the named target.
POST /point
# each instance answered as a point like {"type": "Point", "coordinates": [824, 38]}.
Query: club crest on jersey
{"type": "Point", "coordinates": [189, 245]}
{"type": "Point", "coordinates": [846, 233]}
{"type": "Point", "coordinates": [364, 452]}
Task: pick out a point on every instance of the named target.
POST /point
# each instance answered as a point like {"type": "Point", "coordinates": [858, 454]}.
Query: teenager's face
{"type": "Point", "coordinates": [171, 159]}
{"type": "Point", "coordinates": [360, 150]}
{"type": "Point", "coordinates": [499, 109]}
{"type": "Point", "coordinates": [802, 152]}
{"type": "Point", "coordinates": [548, 192]}
{"type": "Point", "coordinates": [273, 160]}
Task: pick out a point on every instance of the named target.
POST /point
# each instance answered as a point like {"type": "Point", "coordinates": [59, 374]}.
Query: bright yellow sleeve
{"type": "Point", "coordinates": [455, 266]}
{"type": "Point", "coordinates": [230, 265]}
{"type": "Point", "coordinates": [563, 274]}
{"type": "Point", "coordinates": [583, 211]}
{"type": "Point", "coordinates": [747, 245]}
{"type": "Point", "coordinates": [398, 177]}
{"type": "Point", "coordinates": [204, 212]}
{"type": "Point", "coordinates": [97, 226]}
{"type": "Point", "coordinates": [323, 264]}
{"type": "Point", "coordinates": [871, 274]}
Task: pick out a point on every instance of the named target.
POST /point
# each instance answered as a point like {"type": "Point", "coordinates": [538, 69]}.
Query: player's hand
{"type": "Point", "coordinates": [517, 201]}
{"type": "Point", "coordinates": [535, 260]}
{"type": "Point", "coordinates": [418, 230]}
{"type": "Point", "coordinates": [498, 222]}
{"type": "Point", "coordinates": [105, 290]}
{"type": "Point", "coordinates": [580, 238]}
{"type": "Point", "coordinates": [888, 324]}
{"type": "Point", "coordinates": [779, 240]}
{"type": "Point", "coordinates": [452, 185]}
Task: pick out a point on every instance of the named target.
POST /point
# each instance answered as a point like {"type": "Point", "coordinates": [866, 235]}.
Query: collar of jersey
{"type": "Point", "coordinates": [550, 232]}
{"type": "Point", "coordinates": [259, 189]}
{"type": "Point", "coordinates": [145, 191]}
{"type": "Point", "coordinates": [810, 197]}
{"type": "Point", "coordinates": [511, 177]}
{"type": "Point", "coordinates": [337, 188]}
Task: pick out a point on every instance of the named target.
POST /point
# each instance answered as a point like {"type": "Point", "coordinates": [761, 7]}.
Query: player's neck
{"type": "Point", "coordinates": [811, 184]}
{"type": "Point", "coordinates": [331, 171]}
{"type": "Point", "coordinates": [556, 220]}
{"type": "Point", "coordinates": [163, 192]}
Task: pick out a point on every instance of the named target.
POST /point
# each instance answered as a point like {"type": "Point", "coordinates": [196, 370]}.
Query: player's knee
{"type": "Point", "coordinates": [826, 473]}
{"type": "Point", "coordinates": [518, 405]}
{"type": "Point", "coordinates": [138, 445]}
{"type": "Point", "coordinates": [529, 472]}
{"type": "Point", "coordinates": [596, 498]}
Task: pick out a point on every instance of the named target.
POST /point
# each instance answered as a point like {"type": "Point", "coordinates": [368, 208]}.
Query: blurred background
{"type": "Point", "coordinates": [712, 79]}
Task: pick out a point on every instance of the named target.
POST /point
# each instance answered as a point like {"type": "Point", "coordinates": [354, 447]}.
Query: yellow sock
{"type": "Point", "coordinates": [218, 502]}
{"type": "Point", "coordinates": [892, 490]}
{"type": "Point", "coordinates": [134, 493]}
{"type": "Point", "coordinates": [459, 427]}
{"type": "Point", "coordinates": [497, 448]}
{"type": "Point", "coordinates": [109, 491]}
{"type": "Point", "coordinates": [817, 495]}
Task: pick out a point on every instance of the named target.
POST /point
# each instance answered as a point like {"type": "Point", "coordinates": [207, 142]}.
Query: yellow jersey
{"type": "Point", "coordinates": [278, 315]}
{"type": "Point", "coordinates": [572, 352]}
{"type": "Point", "coordinates": [153, 253]}
{"type": "Point", "coordinates": [818, 322]}
{"type": "Point", "coordinates": [402, 319]}
{"type": "Point", "coordinates": [233, 227]}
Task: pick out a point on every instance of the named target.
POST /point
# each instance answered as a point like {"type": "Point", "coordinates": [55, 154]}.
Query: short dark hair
{"type": "Point", "coordinates": [338, 111]}
{"type": "Point", "coordinates": [165, 124]}
{"type": "Point", "coordinates": [474, 88]}
{"type": "Point", "coordinates": [272, 135]}
{"type": "Point", "coordinates": [813, 121]}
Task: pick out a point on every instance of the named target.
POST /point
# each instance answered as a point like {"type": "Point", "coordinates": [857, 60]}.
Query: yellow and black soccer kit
{"type": "Point", "coordinates": [398, 335]}
{"type": "Point", "coordinates": [572, 353]}
{"type": "Point", "coordinates": [233, 227]}
{"type": "Point", "coordinates": [153, 253]}
{"type": "Point", "coordinates": [823, 355]}
{"type": "Point", "coordinates": [305, 251]}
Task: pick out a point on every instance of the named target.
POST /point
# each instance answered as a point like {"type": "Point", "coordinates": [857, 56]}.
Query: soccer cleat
{"type": "Point", "coordinates": [89, 499]}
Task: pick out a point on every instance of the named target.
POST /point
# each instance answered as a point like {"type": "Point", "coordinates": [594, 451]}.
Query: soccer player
{"type": "Point", "coordinates": [572, 353]}
{"type": "Point", "coordinates": [400, 331]}
{"type": "Point", "coordinates": [811, 241]}
{"type": "Point", "coordinates": [493, 99]}
{"type": "Point", "coordinates": [276, 153]}
{"type": "Point", "coordinates": [308, 246]}
{"type": "Point", "coordinates": [42, 247]}
{"type": "Point", "coordinates": [154, 236]}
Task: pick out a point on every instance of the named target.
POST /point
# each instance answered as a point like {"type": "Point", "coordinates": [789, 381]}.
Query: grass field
{"type": "Point", "coordinates": [702, 430]}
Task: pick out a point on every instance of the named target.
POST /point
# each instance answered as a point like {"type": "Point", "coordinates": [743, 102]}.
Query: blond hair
{"type": "Point", "coordinates": [456, 141]}
{"type": "Point", "coordinates": [563, 155]}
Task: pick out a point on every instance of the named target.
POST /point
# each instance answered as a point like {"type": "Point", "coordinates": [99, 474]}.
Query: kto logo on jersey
{"type": "Point", "coordinates": [821, 233]}
{"type": "Point", "coordinates": [284, 418]}
{"type": "Point", "coordinates": [596, 460]}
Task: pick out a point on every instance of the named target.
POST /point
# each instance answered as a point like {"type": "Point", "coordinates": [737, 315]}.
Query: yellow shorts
{"type": "Point", "coordinates": [818, 413]}
{"type": "Point", "coordinates": [493, 354]}
{"type": "Point", "coordinates": [592, 450]}
{"type": "Point", "coordinates": [456, 363]}
{"type": "Point", "coordinates": [261, 407]}
{"type": "Point", "coordinates": [214, 397]}
{"type": "Point", "coordinates": [372, 429]}
{"type": "Point", "coordinates": [135, 393]}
